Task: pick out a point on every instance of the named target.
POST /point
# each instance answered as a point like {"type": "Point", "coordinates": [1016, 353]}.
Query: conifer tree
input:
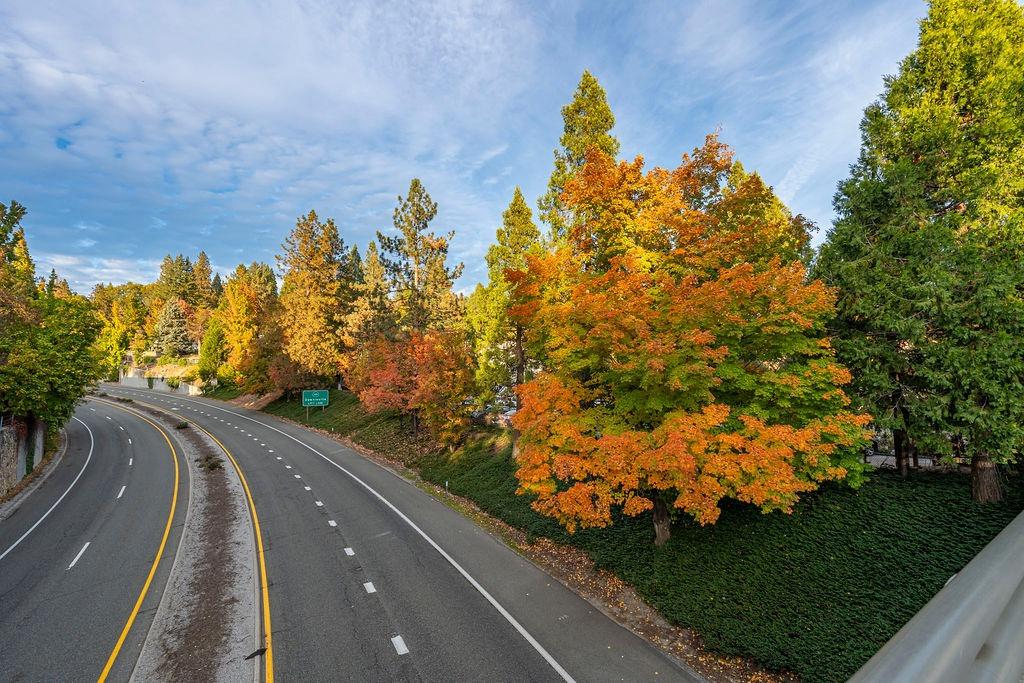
{"type": "Point", "coordinates": [926, 252]}
{"type": "Point", "coordinates": [416, 263]}
{"type": "Point", "coordinates": [172, 335]}
{"type": "Point", "coordinates": [372, 314]}
{"type": "Point", "coordinates": [588, 123]}
{"type": "Point", "coordinates": [498, 340]}
{"type": "Point", "coordinates": [201, 273]}
{"type": "Point", "coordinates": [217, 288]}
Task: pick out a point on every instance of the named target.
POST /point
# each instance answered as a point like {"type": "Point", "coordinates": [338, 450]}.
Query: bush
{"type": "Point", "coordinates": [181, 425]}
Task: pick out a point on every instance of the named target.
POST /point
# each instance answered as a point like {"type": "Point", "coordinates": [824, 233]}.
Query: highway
{"type": "Point", "coordinates": [84, 558]}
{"type": "Point", "coordinates": [372, 579]}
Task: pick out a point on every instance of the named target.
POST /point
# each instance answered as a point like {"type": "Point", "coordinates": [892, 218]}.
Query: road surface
{"type": "Point", "coordinates": [371, 579]}
{"type": "Point", "coordinates": [77, 553]}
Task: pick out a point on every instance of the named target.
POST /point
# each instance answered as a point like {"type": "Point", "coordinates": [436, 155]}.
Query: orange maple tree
{"type": "Point", "coordinates": [427, 375]}
{"type": "Point", "coordinates": [683, 349]}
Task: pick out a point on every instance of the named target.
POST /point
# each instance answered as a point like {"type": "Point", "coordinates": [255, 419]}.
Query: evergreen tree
{"type": "Point", "coordinates": [217, 288]}
{"type": "Point", "coordinates": [498, 340]}
{"type": "Point", "coordinates": [172, 336]}
{"type": "Point", "coordinates": [201, 273]}
{"type": "Point", "coordinates": [415, 261]}
{"type": "Point", "coordinates": [177, 280]}
{"type": "Point", "coordinates": [588, 123]}
{"type": "Point", "coordinates": [212, 353]}
{"type": "Point", "coordinates": [372, 313]}
{"type": "Point", "coordinates": [926, 252]}
{"type": "Point", "coordinates": [317, 294]}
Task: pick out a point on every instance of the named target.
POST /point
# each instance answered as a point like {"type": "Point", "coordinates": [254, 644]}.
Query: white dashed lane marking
{"type": "Point", "coordinates": [319, 504]}
{"type": "Point", "coordinates": [79, 555]}
{"type": "Point", "coordinates": [350, 552]}
{"type": "Point", "coordinates": [399, 644]}
{"type": "Point", "coordinates": [369, 587]}
{"type": "Point", "coordinates": [121, 492]}
{"type": "Point", "coordinates": [332, 522]}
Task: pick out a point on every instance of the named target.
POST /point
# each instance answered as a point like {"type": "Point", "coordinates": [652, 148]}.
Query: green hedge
{"type": "Point", "coordinates": [816, 592]}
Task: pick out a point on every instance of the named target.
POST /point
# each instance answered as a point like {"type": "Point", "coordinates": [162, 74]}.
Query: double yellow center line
{"type": "Point", "coordinates": [268, 657]}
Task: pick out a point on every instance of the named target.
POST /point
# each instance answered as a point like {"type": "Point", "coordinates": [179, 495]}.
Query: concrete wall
{"type": "Point", "coordinates": [138, 382]}
{"type": "Point", "coordinates": [16, 438]}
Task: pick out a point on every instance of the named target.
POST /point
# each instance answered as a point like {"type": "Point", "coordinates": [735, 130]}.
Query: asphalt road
{"type": "Point", "coordinates": [77, 552]}
{"type": "Point", "coordinates": [372, 579]}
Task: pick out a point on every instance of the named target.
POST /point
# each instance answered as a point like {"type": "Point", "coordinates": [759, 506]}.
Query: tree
{"type": "Point", "coordinates": [499, 341]}
{"type": "Point", "coordinates": [212, 352]}
{"type": "Point", "coordinates": [926, 249]}
{"type": "Point", "coordinates": [415, 261]}
{"type": "Point", "coordinates": [177, 280]}
{"type": "Point", "coordinates": [201, 273]}
{"type": "Point", "coordinates": [317, 294]}
{"type": "Point", "coordinates": [172, 335]}
{"type": "Point", "coordinates": [47, 335]}
{"type": "Point", "coordinates": [427, 376]}
{"type": "Point", "coordinates": [372, 313]}
{"type": "Point", "coordinates": [588, 123]}
{"type": "Point", "coordinates": [217, 287]}
{"type": "Point", "coordinates": [684, 352]}
{"type": "Point", "coordinates": [247, 313]}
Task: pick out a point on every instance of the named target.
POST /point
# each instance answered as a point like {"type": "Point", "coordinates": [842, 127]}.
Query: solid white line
{"type": "Point", "coordinates": [369, 587]}
{"type": "Point", "coordinates": [47, 513]}
{"type": "Point", "coordinates": [451, 560]}
{"type": "Point", "coordinates": [79, 555]}
{"type": "Point", "coordinates": [350, 552]}
{"type": "Point", "coordinates": [332, 522]}
{"type": "Point", "coordinates": [121, 493]}
{"type": "Point", "coordinates": [399, 644]}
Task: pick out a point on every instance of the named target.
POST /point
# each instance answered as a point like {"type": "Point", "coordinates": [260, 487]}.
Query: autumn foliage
{"type": "Point", "coordinates": [683, 352]}
{"type": "Point", "coordinates": [428, 375]}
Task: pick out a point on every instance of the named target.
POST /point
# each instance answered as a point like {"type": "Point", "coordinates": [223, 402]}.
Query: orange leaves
{"type": "Point", "coordinates": [683, 348]}
{"type": "Point", "coordinates": [428, 375]}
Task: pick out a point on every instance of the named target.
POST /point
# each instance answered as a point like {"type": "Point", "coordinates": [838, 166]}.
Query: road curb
{"type": "Point", "coordinates": [9, 507]}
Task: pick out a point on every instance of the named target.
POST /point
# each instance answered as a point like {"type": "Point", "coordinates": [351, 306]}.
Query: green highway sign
{"type": "Point", "coordinates": [315, 398]}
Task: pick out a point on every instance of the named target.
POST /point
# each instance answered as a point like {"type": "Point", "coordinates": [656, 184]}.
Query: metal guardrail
{"type": "Point", "coordinates": [972, 630]}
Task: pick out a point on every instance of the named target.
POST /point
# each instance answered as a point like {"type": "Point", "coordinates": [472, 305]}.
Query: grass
{"type": "Point", "coordinates": [816, 592]}
{"type": "Point", "coordinates": [224, 392]}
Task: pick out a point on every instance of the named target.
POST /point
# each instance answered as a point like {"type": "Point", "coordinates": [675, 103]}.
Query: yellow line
{"type": "Point", "coordinates": [159, 552]}
{"type": "Point", "coordinates": [268, 657]}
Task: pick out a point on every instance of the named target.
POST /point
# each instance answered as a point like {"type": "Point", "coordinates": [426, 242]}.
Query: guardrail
{"type": "Point", "coordinates": [972, 630]}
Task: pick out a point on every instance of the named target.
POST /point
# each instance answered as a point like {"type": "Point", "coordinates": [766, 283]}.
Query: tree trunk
{"type": "Point", "coordinates": [913, 455]}
{"type": "Point", "coordinates": [899, 438]}
{"type": "Point", "coordinates": [520, 363]}
{"type": "Point", "coordinates": [662, 522]}
{"type": "Point", "coordinates": [985, 486]}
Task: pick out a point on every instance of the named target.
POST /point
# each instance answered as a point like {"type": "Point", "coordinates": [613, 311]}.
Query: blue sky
{"type": "Point", "coordinates": [156, 127]}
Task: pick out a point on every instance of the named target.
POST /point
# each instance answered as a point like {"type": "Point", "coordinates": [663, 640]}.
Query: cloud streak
{"type": "Point", "coordinates": [172, 127]}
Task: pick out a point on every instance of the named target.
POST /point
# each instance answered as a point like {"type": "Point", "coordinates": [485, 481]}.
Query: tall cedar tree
{"type": "Point", "coordinates": [685, 356]}
{"type": "Point", "coordinates": [316, 296]}
{"type": "Point", "coordinates": [499, 341]}
{"type": "Point", "coordinates": [926, 252]}
{"type": "Point", "coordinates": [588, 123]}
{"type": "Point", "coordinates": [248, 314]}
{"type": "Point", "coordinates": [416, 262]}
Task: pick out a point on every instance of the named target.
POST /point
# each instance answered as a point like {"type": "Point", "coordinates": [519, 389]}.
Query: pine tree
{"type": "Point", "coordinates": [588, 123]}
{"type": "Point", "coordinates": [927, 248]}
{"type": "Point", "coordinates": [415, 261]}
{"type": "Point", "coordinates": [319, 286]}
{"type": "Point", "coordinates": [172, 336]}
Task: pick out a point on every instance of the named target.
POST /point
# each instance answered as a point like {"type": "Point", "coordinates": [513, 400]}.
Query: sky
{"type": "Point", "coordinates": [135, 129]}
